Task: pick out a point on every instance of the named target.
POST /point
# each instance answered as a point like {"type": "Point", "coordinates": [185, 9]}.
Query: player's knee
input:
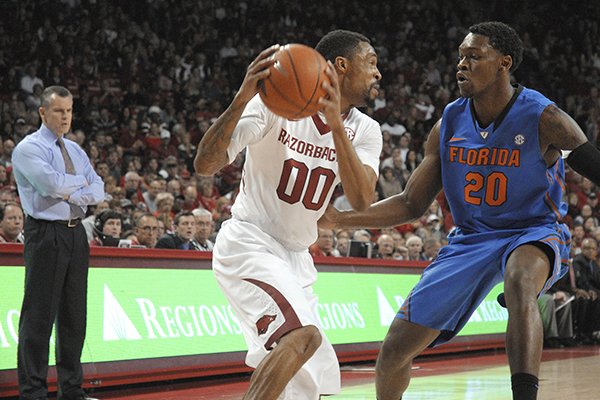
{"type": "Point", "coordinates": [393, 351]}
{"type": "Point", "coordinates": [519, 291]}
{"type": "Point", "coordinates": [312, 338]}
{"type": "Point", "coordinates": [516, 284]}
{"type": "Point", "coordinates": [305, 340]}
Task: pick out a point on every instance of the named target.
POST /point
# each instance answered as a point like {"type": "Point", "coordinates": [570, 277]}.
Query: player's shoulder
{"type": "Point", "coordinates": [358, 115]}
{"type": "Point", "coordinates": [257, 104]}
{"type": "Point", "coordinates": [455, 112]}
{"type": "Point", "coordinates": [533, 98]}
{"type": "Point", "coordinates": [358, 118]}
{"type": "Point", "coordinates": [459, 104]}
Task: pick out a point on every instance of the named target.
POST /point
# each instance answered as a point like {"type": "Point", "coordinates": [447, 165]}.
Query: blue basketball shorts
{"type": "Point", "coordinates": [467, 269]}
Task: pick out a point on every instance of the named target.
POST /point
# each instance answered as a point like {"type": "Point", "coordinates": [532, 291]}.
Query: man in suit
{"type": "Point", "coordinates": [204, 229]}
{"type": "Point", "coordinates": [183, 236]}
{"type": "Point", "coordinates": [56, 183]}
{"type": "Point", "coordinates": [587, 280]}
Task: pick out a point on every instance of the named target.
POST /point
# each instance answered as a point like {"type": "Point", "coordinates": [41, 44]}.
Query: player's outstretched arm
{"type": "Point", "coordinates": [212, 150]}
{"type": "Point", "coordinates": [558, 131]}
{"type": "Point", "coordinates": [423, 186]}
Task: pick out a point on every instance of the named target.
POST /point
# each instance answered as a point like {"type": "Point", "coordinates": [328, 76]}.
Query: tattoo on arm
{"type": "Point", "coordinates": [212, 149]}
{"type": "Point", "coordinates": [558, 130]}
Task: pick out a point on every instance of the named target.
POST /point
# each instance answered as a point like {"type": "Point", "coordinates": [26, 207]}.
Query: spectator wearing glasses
{"type": "Point", "coordinates": [146, 230]}
{"type": "Point", "coordinates": [325, 244]}
{"type": "Point", "coordinates": [204, 229]}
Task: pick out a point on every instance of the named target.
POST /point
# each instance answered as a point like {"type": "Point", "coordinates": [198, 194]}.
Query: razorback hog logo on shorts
{"type": "Point", "coordinates": [262, 325]}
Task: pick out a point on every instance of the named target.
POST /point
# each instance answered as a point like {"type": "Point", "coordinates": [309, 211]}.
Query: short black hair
{"type": "Point", "coordinates": [340, 43]}
{"type": "Point", "coordinates": [181, 215]}
{"type": "Point", "coordinates": [60, 91]}
{"type": "Point", "coordinates": [104, 216]}
{"type": "Point", "coordinates": [502, 38]}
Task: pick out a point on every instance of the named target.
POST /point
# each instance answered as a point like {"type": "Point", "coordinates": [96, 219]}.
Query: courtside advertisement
{"type": "Point", "coordinates": [136, 314]}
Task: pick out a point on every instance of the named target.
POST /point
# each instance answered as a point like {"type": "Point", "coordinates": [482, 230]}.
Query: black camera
{"type": "Point", "coordinates": [356, 248]}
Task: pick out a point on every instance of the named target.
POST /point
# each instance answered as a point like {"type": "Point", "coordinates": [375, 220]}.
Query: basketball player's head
{"type": "Point", "coordinates": [487, 55]}
{"type": "Point", "coordinates": [355, 61]}
{"type": "Point", "coordinates": [503, 38]}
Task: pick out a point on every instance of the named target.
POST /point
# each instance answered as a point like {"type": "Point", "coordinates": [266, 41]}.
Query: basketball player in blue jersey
{"type": "Point", "coordinates": [496, 152]}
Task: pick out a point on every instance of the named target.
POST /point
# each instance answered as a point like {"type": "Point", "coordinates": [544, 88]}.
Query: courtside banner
{"type": "Point", "coordinates": [136, 314]}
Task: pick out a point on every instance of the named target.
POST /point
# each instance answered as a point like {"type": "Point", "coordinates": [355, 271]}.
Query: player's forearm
{"type": "Point", "coordinates": [386, 213]}
{"type": "Point", "coordinates": [358, 188]}
{"type": "Point", "coordinates": [212, 149]}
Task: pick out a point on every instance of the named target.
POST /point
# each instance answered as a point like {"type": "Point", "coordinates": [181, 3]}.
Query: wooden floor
{"type": "Point", "coordinates": [572, 373]}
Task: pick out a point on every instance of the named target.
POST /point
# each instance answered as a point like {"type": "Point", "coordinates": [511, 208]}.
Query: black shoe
{"type": "Point", "coordinates": [80, 397]}
{"type": "Point", "coordinates": [585, 340]}
{"type": "Point", "coordinates": [553, 343]}
{"type": "Point", "coordinates": [569, 342]}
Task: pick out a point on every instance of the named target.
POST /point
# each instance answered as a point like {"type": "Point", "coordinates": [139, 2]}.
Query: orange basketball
{"type": "Point", "coordinates": [293, 88]}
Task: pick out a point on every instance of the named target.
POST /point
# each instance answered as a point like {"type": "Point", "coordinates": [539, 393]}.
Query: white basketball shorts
{"type": "Point", "coordinates": [270, 290]}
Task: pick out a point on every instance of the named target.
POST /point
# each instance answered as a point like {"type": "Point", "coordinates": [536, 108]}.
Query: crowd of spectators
{"type": "Point", "coordinates": [149, 77]}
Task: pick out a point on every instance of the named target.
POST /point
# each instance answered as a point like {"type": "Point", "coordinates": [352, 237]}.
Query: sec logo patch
{"type": "Point", "coordinates": [350, 133]}
{"type": "Point", "coordinates": [519, 139]}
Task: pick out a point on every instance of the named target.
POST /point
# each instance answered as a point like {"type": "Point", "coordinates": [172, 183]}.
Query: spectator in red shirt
{"type": "Point", "coordinates": [207, 193]}
{"type": "Point", "coordinates": [190, 198]}
{"type": "Point", "coordinates": [166, 148]}
{"type": "Point", "coordinates": [325, 244]}
{"type": "Point", "coordinates": [152, 141]}
{"type": "Point", "coordinates": [131, 140]}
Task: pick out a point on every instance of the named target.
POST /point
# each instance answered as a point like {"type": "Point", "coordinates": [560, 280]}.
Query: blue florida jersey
{"type": "Point", "coordinates": [496, 177]}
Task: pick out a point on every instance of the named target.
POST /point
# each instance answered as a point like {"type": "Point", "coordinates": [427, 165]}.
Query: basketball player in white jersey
{"type": "Point", "coordinates": [261, 258]}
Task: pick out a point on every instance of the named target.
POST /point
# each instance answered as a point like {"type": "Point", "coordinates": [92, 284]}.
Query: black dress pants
{"type": "Point", "coordinates": [56, 270]}
{"type": "Point", "coordinates": [587, 317]}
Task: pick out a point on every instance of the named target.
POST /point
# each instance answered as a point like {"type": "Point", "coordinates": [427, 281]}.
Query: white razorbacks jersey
{"type": "Point", "coordinates": [291, 169]}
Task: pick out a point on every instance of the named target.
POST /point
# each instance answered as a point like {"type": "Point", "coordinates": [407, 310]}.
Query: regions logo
{"type": "Point", "coordinates": [116, 324]}
{"type": "Point", "coordinates": [262, 325]}
{"type": "Point", "coordinates": [350, 133]}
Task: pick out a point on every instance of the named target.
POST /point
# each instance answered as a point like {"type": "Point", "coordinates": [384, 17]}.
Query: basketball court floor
{"type": "Point", "coordinates": [571, 373]}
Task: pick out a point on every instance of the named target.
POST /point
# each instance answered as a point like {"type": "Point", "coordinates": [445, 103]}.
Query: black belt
{"type": "Point", "coordinates": [70, 223]}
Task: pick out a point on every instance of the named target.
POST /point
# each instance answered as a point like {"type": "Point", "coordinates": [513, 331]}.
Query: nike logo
{"type": "Point", "coordinates": [456, 139]}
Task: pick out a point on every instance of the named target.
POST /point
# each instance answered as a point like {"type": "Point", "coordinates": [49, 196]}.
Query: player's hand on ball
{"type": "Point", "coordinates": [327, 220]}
{"type": "Point", "coordinates": [330, 104]}
{"type": "Point", "coordinates": [257, 70]}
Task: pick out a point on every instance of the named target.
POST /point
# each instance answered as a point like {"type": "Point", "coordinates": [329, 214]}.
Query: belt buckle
{"type": "Point", "coordinates": [72, 223]}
